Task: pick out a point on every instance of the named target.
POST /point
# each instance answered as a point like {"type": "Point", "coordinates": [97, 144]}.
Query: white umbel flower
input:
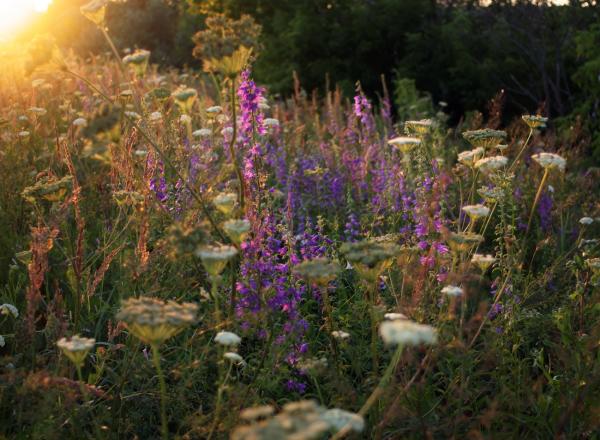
{"type": "Point", "coordinates": [452, 291]}
{"type": "Point", "coordinates": [203, 132]}
{"type": "Point", "coordinates": [405, 332]}
{"type": "Point", "coordinates": [9, 309]}
{"type": "Point", "coordinates": [271, 122]}
{"type": "Point", "coordinates": [235, 358]}
{"type": "Point", "coordinates": [339, 334]}
{"type": "Point", "coordinates": [394, 316]}
{"type": "Point", "coordinates": [550, 161]}
{"type": "Point", "coordinates": [489, 165]}
{"type": "Point", "coordinates": [80, 122]}
{"type": "Point", "coordinates": [404, 143]}
{"type": "Point", "coordinates": [586, 220]}
{"type": "Point", "coordinates": [227, 338]}
{"type": "Point", "coordinates": [469, 157]}
{"type": "Point", "coordinates": [483, 261]}
{"type": "Point", "coordinates": [476, 211]}
{"type": "Point", "coordinates": [214, 109]}
{"type": "Point", "coordinates": [338, 419]}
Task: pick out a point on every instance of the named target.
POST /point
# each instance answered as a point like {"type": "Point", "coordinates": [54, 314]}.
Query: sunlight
{"type": "Point", "coordinates": [14, 14]}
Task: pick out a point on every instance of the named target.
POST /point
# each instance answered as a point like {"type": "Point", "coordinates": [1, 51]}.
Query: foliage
{"type": "Point", "coordinates": [224, 264]}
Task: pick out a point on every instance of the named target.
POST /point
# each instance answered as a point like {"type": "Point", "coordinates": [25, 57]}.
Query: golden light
{"type": "Point", "coordinates": [16, 14]}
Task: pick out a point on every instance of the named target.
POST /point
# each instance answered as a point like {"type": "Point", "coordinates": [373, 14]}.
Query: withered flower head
{"type": "Point", "coordinates": [49, 188]}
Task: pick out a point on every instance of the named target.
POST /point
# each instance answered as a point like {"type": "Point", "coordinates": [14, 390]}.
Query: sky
{"type": "Point", "coordinates": [15, 13]}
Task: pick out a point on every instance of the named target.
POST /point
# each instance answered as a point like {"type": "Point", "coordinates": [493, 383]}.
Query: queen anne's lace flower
{"type": "Point", "coordinates": [227, 338]}
{"type": "Point", "coordinates": [550, 161]}
{"type": "Point", "coordinates": [405, 332]}
{"type": "Point", "coordinates": [490, 165]}
{"type": "Point", "coordinates": [476, 211]}
{"type": "Point", "coordinates": [452, 291]}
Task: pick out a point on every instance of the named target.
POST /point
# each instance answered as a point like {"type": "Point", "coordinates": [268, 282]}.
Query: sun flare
{"type": "Point", "coordinates": [15, 14]}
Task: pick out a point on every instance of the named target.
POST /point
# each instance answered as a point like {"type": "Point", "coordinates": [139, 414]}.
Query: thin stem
{"type": "Point", "coordinates": [163, 392]}
{"type": "Point", "coordinates": [329, 322]}
{"type": "Point", "coordinates": [537, 197]}
{"type": "Point", "coordinates": [84, 394]}
{"type": "Point", "coordinates": [214, 291]}
{"type": "Point", "coordinates": [373, 316]}
{"type": "Point", "coordinates": [219, 401]}
{"type": "Point", "coordinates": [162, 155]}
{"type": "Point", "coordinates": [514, 164]}
{"type": "Point", "coordinates": [377, 392]}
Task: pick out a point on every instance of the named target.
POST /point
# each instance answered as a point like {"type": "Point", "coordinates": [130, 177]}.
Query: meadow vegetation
{"type": "Point", "coordinates": [184, 256]}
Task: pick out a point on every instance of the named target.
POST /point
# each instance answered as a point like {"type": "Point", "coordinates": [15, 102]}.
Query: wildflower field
{"type": "Point", "coordinates": [185, 256]}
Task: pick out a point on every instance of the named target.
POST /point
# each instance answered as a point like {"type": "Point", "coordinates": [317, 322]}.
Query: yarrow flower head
{"type": "Point", "coordinates": [485, 138]}
{"type": "Point", "coordinates": [405, 332]}
{"type": "Point", "coordinates": [550, 161]}
{"type": "Point", "coordinates": [405, 143]}
{"type": "Point", "coordinates": [319, 270]}
{"type": "Point", "coordinates": [489, 165]}
{"type": "Point", "coordinates": [535, 121]}
{"type": "Point", "coordinates": [215, 258]}
{"type": "Point", "coordinates": [483, 262]}
{"type": "Point", "coordinates": [452, 290]}
{"type": "Point", "coordinates": [76, 348]}
{"type": "Point", "coordinates": [154, 321]}
{"type": "Point", "coordinates": [227, 338]}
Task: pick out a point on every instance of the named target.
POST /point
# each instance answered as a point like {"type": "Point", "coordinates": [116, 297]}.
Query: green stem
{"type": "Point", "coordinates": [514, 164]}
{"type": "Point", "coordinates": [373, 316]}
{"type": "Point", "coordinates": [329, 323]}
{"type": "Point", "coordinates": [84, 393]}
{"type": "Point", "coordinates": [537, 197]}
{"type": "Point", "coordinates": [214, 291]}
{"type": "Point", "coordinates": [162, 155]}
{"type": "Point", "coordinates": [219, 401]}
{"type": "Point", "coordinates": [163, 392]}
{"type": "Point", "coordinates": [377, 392]}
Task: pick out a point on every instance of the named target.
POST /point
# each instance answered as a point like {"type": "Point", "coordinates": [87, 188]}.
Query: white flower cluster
{"type": "Point", "coordinates": [405, 332]}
